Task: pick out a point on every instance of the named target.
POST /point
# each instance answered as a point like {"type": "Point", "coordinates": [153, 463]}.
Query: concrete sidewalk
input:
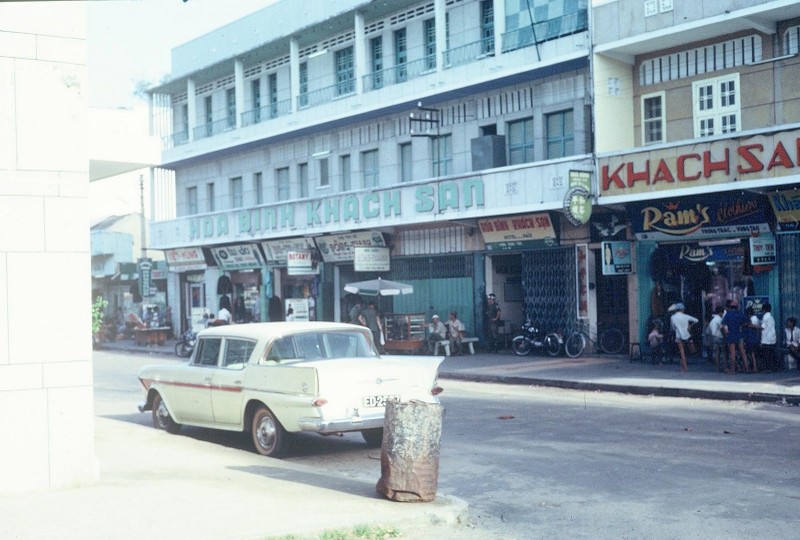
{"type": "Point", "coordinates": [605, 373]}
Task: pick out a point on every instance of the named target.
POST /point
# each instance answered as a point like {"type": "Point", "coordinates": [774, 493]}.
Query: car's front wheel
{"type": "Point", "coordinates": [373, 437]}
{"type": "Point", "coordinates": [161, 417]}
{"type": "Point", "coordinates": [269, 437]}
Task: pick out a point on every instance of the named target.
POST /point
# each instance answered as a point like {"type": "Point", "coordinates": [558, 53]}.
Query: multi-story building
{"type": "Point", "coordinates": [698, 146]}
{"type": "Point", "coordinates": [444, 135]}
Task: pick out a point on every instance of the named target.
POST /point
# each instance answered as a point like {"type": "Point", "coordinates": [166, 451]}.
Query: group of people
{"type": "Point", "coordinates": [369, 317]}
{"type": "Point", "coordinates": [452, 330]}
{"type": "Point", "coordinates": [731, 333]}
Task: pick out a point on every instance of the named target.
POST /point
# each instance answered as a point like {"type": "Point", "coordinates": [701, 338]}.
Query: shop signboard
{"type": "Point", "coordinates": [529, 231]}
{"type": "Point", "coordinates": [786, 205]}
{"type": "Point", "coordinates": [582, 267]}
{"type": "Point", "coordinates": [185, 259]}
{"type": "Point", "coordinates": [145, 268]}
{"type": "Point", "coordinates": [693, 252]}
{"type": "Point", "coordinates": [755, 302]}
{"type": "Point", "coordinates": [578, 200]}
{"type": "Point", "coordinates": [301, 263]}
{"type": "Point", "coordinates": [702, 216]}
{"type": "Point", "coordinates": [277, 251]}
{"type": "Point", "coordinates": [372, 259]}
{"type": "Point", "coordinates": [239, 257]}
{"type": "Point", "coordinates": [617, 258]}
{"type": "Point", "coordinates": [762, 250]}
{"type": "Point", "coordinates": [736, 159]}
{"type": "Point", "coordinates": [341, 247]}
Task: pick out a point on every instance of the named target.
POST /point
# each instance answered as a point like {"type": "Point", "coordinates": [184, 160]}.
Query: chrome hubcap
{"type": "Point", "coordinates": [265, 433]}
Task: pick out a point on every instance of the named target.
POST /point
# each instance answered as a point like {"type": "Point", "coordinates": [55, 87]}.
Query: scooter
{"type": "Point", "coordinates": [185, 344]}
{"type": "Point", "coordinates": [531, 337]}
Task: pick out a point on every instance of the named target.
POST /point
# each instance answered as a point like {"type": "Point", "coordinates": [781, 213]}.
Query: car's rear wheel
{"type": "Point", "coordinates": [161, 417]}
{"type": "Point", "coordinates": [373, 437]}
{"type": "Point", "coordinates": [269, 437]}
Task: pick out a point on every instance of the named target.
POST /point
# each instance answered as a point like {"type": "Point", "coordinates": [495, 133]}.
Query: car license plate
{"type": "Point", "coordinates": [379, 401]}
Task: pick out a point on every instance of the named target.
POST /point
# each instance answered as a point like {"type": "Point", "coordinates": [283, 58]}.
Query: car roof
{"type": "Point", "coordinates": [270, 330]}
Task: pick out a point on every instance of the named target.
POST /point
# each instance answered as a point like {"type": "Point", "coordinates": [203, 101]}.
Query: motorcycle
{"type": "Point", "coordinates": [531, 337]}
{"type": "Point", "coordinates": [185, 344]}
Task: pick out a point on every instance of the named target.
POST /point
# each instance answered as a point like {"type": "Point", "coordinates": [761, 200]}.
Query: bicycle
{"type": "Point", "coordinates": [611, 340]}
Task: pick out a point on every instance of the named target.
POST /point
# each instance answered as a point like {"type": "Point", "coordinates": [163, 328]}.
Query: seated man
{"type": "Point", "coordinates": [436, 332]}
{"type": "Point", "coordinates": [455, 333]}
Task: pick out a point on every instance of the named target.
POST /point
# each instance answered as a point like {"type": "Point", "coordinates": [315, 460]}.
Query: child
{"type": "Point", "coordinates": [656, 340]}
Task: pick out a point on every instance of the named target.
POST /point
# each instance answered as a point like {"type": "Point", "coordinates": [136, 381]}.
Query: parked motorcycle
{"type": "Point", "coordinates": [531, 337]}
{"type": "Point", "coordinates": [185, 344]}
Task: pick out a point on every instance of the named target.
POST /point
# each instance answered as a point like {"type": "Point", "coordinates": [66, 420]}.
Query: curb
{"type": "Point", "coordinates": [660, 391]}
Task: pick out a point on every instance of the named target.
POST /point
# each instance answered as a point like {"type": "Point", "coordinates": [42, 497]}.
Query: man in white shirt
{"type": "Point", "coordinates": [717, 339]}
{"type": "Point", "coordinates": [680, 324]}
{"type": "Point", "coordinates": [792, 339]}
{"type": "Point", "coordinates": [455, 332]}
{"type": "Point", "coordinates": [436, 332]}
{"type": "Point", "coordinates": [768, 338]}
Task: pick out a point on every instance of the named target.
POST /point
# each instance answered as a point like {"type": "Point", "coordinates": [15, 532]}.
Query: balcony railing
{"type": "Point", "coordinates": [400, 73]}
{"type": "Point", "coordinates": [571, 23]}
{"type": "Point", "coordinates": [213, 128]}
{"type": "Point", "coordinates": [180, 137]}
{"type": "Point", "coordinates": [327, 94]}
{"type": "Point", "coordinates": [268, 112]}
{"type": "Point", "coordinates": [469, 52]}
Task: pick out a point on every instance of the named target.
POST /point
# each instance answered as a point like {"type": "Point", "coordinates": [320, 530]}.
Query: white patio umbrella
{"type": "Point", "coordinates": [378, 287]}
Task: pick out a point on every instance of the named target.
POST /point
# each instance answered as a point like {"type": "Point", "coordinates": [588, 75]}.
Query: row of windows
{"type": "Point", "coordinates": [716, 109]}
{"type": "Point", "coordinates": [559, 129]}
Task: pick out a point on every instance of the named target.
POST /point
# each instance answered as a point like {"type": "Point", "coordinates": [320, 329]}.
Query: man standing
{"type": "Point", "coordinates": [769, 338]}
{"type": "Point", "coordinates": [680, 324]}
{"type": "Point", "coordinates": [369, 317]}
{"type": "Point", "coordinates": [732, 324]}
{"type": "Point", "coordinates": [492, 316]}
{"type": "Point", "coordinates": [717, 339]}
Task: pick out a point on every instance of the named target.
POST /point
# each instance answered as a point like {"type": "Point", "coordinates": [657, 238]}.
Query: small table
{"type": "Point", "coordinates": [150, 336]}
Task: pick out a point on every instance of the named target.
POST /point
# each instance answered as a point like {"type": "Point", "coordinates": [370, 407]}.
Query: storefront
{"type": "Point", "coordinates": [703, 251]}
{"type": "Point", "coordinates": [786, 207]}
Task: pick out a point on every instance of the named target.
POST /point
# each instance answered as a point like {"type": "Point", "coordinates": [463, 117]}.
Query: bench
{"type": "Point", "coordinates": [150, 336]}
{"type": "Point", "coordinates": [445, 344]}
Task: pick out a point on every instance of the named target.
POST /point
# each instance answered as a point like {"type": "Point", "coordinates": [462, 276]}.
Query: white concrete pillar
{"type": "Point", "coordinates": [499, 25]}
{"type": "Point", "coordinates": [440, 17]}
{"type": "Point", "coordinates": [191, 106]}
{"type": "Point", "coordinates": [238, 89]}
{"type": "Point", "coordinates": [294, 72]}
{"type": "Point", "coordinates": [359, 53]}
{"type": "Point", "coordinates": [47, 423]}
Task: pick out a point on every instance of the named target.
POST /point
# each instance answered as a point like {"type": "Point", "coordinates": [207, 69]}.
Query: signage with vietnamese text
{"type": "Point", "coordinates": [239, 257]}
{"type": "Point", "coordinates": [702, 216]}
{"type": "Point", "coordinates": [372, 259]}
{"type": "Point", "coordinates": [145, 268]}
{"type": "Point", "coordinates": [276, 250]}
{"type": "Point", "coordinates": [185, 259]}
{"type": "Point", "coordinates": [762, 250]}
{"type": "Point", "coordinates": [518, 232]}
{"type": "Point", "coordinates": [341, 247]}
{"type": "Point", "coordinates": [578, 200]}
{"type": "Point", "coordinates": [786, 205]}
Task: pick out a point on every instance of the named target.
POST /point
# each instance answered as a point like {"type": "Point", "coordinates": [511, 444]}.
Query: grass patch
{"type": "Point", "coordinates": [359, 532]}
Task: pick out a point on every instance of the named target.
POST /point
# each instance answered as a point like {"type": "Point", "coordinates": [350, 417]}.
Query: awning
{"type": "Point", "coordinates": [185, 259]}
{"type": "Point", "coordinates": [528, 231]}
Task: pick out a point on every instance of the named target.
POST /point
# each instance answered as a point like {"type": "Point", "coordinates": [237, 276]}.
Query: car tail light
{"type": "Point", "coordinates": [436, 390]}
{"type": "Point", "coordinates": [319, 402]}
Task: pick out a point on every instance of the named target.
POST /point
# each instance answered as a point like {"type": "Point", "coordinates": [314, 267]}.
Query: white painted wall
{"type": "Point", "coordinates": [48, 440]}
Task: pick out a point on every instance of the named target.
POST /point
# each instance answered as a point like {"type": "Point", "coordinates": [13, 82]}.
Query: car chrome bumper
{"type": "Point", "coordinates": [354, 423]}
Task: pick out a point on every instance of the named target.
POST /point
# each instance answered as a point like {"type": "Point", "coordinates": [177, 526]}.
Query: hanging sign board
{"type": "Point", "coordinates": [617, 258]}
{"type": "Point", "coordinates": [185, 259]}
{"type": "Point", "coordinates": [240, 257]}
{"type": "Point", "coordinates": [301, 263]}
{"type": "Point", "coordinates": [277, 251]}
{"type": "Point", "coordinates": [786, 205]}
{"type": "Point", "coordinates": [762, 251]}
{"type": "Point", "coordinates": [371, 259]}
{"type": "Point", "coordinates": [578, 200]}
{"type": "Point", "coordinates": [518, 232]}
{"type": "Point", "coordinates": [341, 247]}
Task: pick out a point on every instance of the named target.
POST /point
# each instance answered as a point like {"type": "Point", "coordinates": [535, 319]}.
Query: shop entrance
{"type": "Point", "coordinates": [612, 299]}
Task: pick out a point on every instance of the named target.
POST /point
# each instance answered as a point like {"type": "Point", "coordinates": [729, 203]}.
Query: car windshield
{"type": "Point", "coordinates": [320, 346]}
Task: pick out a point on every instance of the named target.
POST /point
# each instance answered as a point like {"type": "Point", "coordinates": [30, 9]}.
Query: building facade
{"type": "Point", "coordinates": [433, 143]}
{"type": "Point", "coordinates": [697, 130]}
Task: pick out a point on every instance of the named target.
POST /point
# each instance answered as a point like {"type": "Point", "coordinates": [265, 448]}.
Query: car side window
{"type": "Point", "coordinates": [282, 349]}
{"type": "Point", "coordinates": [237, 353]}
{"type": "Point", "coordinates": [208, 351]}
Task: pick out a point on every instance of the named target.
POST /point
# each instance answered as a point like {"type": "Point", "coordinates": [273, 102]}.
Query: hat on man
{"type": "Point", "coordinates": [492, 296]}
{"type": "Point", "coordinates": [673, 307]}
{"type": "Point", "coordinates": [435, 317]}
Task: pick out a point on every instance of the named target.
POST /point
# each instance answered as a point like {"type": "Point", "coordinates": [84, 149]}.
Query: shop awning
{"type": "Point", "coordinates": [341, 247]}
{"type": "Point", "coordinates": [185, 259]}
{"type": "Point", "coordinates": [238, 257]}
{"type": "Point", "coordinates": [529, 231]}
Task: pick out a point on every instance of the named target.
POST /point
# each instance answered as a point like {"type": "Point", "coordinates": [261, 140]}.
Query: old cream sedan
{"type": "Point", "coordinates": [274, 378]}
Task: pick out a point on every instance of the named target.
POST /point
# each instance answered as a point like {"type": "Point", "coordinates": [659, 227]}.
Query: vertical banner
{"type": "Point", "coordinates": [145, 277]}
{"type": "Point", "coordinates": [582, 266]}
